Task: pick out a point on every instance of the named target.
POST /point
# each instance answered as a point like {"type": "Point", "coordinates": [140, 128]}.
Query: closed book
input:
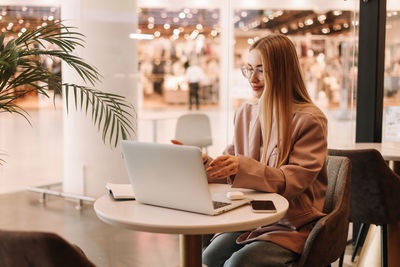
{"type": "Point", "coordinates": [120, 191]}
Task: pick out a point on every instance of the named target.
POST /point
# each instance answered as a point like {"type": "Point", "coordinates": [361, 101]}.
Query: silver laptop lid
{"type": "Point", "coordinates": [170, 176]}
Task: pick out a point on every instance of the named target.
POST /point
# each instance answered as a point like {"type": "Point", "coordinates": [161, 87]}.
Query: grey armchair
{"type": "Point", "coordinates": [327, 239]}
{"type": "Point", "coordinates": [375, 191]}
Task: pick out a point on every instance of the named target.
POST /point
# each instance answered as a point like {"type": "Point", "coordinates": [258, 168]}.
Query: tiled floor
{"type": "Point", "coordinates": [34, 156]}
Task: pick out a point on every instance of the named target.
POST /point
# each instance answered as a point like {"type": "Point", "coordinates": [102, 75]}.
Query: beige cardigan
{"type": "Point", "coordinates": [302, 181]}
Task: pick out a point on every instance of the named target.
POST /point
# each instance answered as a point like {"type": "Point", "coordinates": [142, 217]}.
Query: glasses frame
{"type": "Point", "coordinates": [248, 72]}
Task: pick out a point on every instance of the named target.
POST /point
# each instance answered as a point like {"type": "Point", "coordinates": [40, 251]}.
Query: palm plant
{"type": "Point", "coordinates": [22, 72]}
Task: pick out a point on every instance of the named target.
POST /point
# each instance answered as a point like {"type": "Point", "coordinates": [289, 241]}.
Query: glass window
{"type": "Point", "coordinates": [325, 39]}
{"type": "Point", "coordinates": [391, 104]}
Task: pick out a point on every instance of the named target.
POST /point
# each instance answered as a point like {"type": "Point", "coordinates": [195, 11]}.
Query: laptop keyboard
{"type": "Point", "coordinates": [218, 204]}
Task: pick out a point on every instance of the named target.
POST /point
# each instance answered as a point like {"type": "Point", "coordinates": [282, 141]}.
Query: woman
{"type": "Point", "coordinates": [280, 146]}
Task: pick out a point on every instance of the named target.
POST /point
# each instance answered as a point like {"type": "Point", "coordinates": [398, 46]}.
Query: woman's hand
{"type": "Point", "coordinates": [223, 166]}
{"type": "Point", "coordinates": [176, 142]}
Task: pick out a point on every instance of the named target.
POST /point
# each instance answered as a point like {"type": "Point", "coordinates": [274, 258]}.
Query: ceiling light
{"type": "Point", "coordinates": [250, 41]}
{"type": "Point", "coordinates": [243, 14]}
{"type": "Point", "coordinates": [214, 33]}
{"type": "Point", "coordinates": [214, 16]}
{"type": "Point", "coordinates": [167, 26]}
{"type": "Point", "coordinates": [157, 34]}
{"type": "Point", "coordinates": [265, 19]}
{"type": "Point", "coordinates": [301, 24]}
{"type": "Point", "coordinates": [325, 30]}
{"type": "Point", "coordinates": [164, 15]}
{"type": "Point", "coordinates": [150, 26]}
{"type": "Point", "coordinates": [53, 9]}
{"type": "Point", "coordinates": [345, 25]}
{"type": "Point", "coordinates": [51, 18]}
{"type": "Point", "coordinates": [175, 19]}
{"type": "Point", "coordinates": [321, 18]}
{"type": "Point", "coordinates": [186, 10]}
{"type": "Point", "coordinates": [337, 12]}
{"type": "Point", "coordinates": [182, 15]}
{"type": "Point", "coordinates": [20, 21]}
{"type": "Point", "coordinates": [141, 36]}
{"type": "Point", "coordinates": [199, 27]}
{"type": "Point", "coordinates": [150, 19]}
{"type": "Point", "coordinates": [337, 27]}
{"type": "Point", "coordinates": [308, 22]}
{"type": "Point", "coordinates": [189, 16]}
{"type": "Point", "coordinates": [284, 30]}
{"type": "Point", "coordinates": [24, 8]}
{"type": "Point", "coordinates": [195, 11]}
{"type": "Point", "coordinates": [176, 31]}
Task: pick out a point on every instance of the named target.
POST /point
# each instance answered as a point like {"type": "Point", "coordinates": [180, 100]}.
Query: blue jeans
{"type": "Point", "coordinates": [223, 251]}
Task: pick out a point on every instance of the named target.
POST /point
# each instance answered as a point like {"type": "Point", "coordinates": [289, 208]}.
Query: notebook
{"type": "Point", "coordinates": [172, 176]}
{"type": "Point", "coordinates": [120, 191]}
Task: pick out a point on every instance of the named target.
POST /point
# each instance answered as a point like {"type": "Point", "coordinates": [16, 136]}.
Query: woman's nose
{"type": "Point", "coordinates": [253, 77]}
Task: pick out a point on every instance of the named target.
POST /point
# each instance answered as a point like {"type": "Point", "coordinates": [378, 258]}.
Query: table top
{"type": "Point", "coordinates": [389, 150]}
{"type": "Point", "coordinates": [141, 217]}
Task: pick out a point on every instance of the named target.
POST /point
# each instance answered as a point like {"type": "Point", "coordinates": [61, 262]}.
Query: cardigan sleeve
{"type": "Point", "coordinates": [305, 161]}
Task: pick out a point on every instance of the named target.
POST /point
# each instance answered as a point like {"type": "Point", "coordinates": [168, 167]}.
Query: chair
{"type": "Point", "coordinates": [194, 129]}
{"type": "Point", "coordinates": [328, 237]}
{"type": "Point", "coordinates": [375, 188]}
{"type": "Point", "coordinates": [39, 249]}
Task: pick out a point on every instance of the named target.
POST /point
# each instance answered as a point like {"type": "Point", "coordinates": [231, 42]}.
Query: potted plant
{"type": "Point", "coordinates": [22, 72]}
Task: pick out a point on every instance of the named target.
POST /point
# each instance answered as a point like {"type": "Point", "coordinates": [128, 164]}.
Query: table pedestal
{"type": "Point", "coordinates": [190, 250]}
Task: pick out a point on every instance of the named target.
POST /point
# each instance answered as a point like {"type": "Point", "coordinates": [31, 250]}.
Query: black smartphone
{"type": "Point", "coordinates": [263, 206]}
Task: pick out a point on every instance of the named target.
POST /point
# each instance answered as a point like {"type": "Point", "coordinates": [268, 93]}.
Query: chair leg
{"type": "Point", "coordinates": [341, 258]}
{"type": "Point", "coordinates": [384, 245]}
{"type": "Point", "coordinates": [360, 237]}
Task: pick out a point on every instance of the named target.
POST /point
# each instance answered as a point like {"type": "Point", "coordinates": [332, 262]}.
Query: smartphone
{"type": "Point", "coordinates": [263, 206]}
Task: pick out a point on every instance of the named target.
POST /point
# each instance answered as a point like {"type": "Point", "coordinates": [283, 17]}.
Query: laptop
{"type": "Point", "coordinates": [172, 176]}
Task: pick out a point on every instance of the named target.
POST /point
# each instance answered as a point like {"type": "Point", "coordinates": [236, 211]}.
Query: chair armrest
{"type": "Point", "coordinates": [330, 231]}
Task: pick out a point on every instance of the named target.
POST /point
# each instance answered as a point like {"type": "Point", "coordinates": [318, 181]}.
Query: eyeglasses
{"type": "Point", "coordinates": [248, 72]}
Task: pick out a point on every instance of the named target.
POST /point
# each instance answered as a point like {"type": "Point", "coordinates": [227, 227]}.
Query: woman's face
{"type": "Point", "coordinates": [255, 67]}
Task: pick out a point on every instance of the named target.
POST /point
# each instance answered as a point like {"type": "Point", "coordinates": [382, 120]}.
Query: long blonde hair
{"type": "Point", "coordinates": [284, 92]}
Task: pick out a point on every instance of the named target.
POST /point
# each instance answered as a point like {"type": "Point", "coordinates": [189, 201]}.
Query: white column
{"type": "Point", "coordinates": [88, 162]}
{"type": "Point", "coordinates": [226, 63]}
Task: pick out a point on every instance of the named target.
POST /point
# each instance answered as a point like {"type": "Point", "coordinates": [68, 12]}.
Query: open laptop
{"type": "Point", "coordinates": [172, 176]}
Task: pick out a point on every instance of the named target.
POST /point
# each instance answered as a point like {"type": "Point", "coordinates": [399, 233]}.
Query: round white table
{"type": "Point", "coordinates": [141, 217]}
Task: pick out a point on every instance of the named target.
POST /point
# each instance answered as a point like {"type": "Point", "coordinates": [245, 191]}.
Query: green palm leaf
{"type": "Point", "coordinates": [22, 72]}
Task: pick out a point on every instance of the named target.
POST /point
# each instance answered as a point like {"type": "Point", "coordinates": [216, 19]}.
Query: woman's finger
{"type": "Point", "coordinates": [176, 142]}
{"type": "Point", "coordinates": [219, 160]}
{"type": "Point", "coordinates": [223, 172]}
{"type": "Point", "coordinates": [218, 165]}
{"type": "Point", "coordinates": [204, 157]}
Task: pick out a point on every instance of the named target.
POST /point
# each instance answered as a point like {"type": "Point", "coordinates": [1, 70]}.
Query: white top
{"type": "Point", "coordinates": [389, 150]}
{"type": "Point", "coordinates": [194, 74]}
{"type": "Point", "coordinates": [141, 217]}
